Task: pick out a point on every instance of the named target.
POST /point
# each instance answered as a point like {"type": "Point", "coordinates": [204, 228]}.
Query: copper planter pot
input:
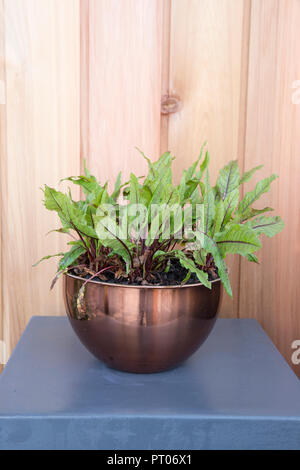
{"type": "Point", "coordinates": [141, 329]}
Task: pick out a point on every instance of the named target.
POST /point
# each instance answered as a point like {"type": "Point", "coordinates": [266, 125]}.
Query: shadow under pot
{"type": "Point", "coordinates": [141, 329]}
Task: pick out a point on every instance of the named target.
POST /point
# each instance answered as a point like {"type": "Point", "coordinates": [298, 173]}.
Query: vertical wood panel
{"type": "Point", "coordinates": [2, 149]}
{"type": "Point", "coordinates": [42, 132]}
{"type": "Point", "coordinates": [271, 292]}
{"type": "Point", "coordinates": [207, 70]}
{"type": "Point", "coordinates": [84, 79]}
{"type": "Point", "coordinates": [165, 84]}
{"type": "Point", "coordinates": [125, 48]}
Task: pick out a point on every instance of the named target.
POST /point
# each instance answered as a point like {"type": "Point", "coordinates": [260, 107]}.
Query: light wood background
{"type": "Point", "coordinates": [85, 78]}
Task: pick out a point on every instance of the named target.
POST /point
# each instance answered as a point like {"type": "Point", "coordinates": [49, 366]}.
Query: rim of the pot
{"type": "Point", "coordinates": [132, 286]}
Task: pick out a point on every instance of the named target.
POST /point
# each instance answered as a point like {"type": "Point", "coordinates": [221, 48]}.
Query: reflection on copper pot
{"type": "Point", "coordinates": [141, 329]}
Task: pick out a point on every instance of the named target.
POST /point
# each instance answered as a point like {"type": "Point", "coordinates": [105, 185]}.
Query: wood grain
{"type": "Point", "coordinates": [42, 134]}
{"type": "Point", "coordinates": [208, 45]}
{"type": "Point", "coordinates": [84, 79]}
{"type": "Point", "coordinates": [165, 73]}
{"type": "Point", "coordinates": [270, 292]}
{"type": "Point", "coordinates": [2, 149]}
{"type": "Point", "coordinates": [125, 60]}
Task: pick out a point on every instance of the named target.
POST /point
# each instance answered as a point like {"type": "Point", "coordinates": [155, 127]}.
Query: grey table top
{"type": "Point", "coordinates": [237, 374]}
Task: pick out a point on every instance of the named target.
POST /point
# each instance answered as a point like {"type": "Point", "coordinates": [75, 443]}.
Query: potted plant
{"type": "Point", "coordinates": [142, 278]}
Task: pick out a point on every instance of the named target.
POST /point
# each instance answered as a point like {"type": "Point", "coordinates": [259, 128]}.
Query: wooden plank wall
{"type": "Point", "coordinates": [107, 64]}
{"type": "Point", "coordinates": [124, 84]}
{"type": "Point", "coordinates": [271, 292]}
{"type": "Point", "coordinates": [42, 146]}
{"type": "Point", "coordinates": [2, 151]}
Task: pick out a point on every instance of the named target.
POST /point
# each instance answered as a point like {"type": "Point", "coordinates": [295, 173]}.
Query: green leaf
{"type": "Point", "coordinates": [229, 179]}
{"type": "Point", "coordinates": [204, 165]}
{"type": "Point", "coordinates": [187, 277]}
{"type": "Point", "coordinates": [76, 242]}
{"type": "Point", "coordinates": [106, 223]}
{"type": "Point", "coordinates": [189, 173]}
{"type": "Point", "coordinates": [134, 190]}
{"type": "Point", "coordinates": [58, 202]}
{"type": "Point", "coordinates": [86, 171]}
{"type": "Point", "coordinates": [88, 184]}
{"type": "Point", "coordinates": [145, 195]}
{"type": "Point", "coordinates": [70, 212]}
{"type": "Point", "coordinates": [269, 226]}
{"type": "Point", "coordinates": [47, 257]}
{"type": "Point", "coordinates": [209, 205]}
{"type": "Point", "coordinates": [252, 196]}
{"type": "Point", "coordinates": [160, 253]}
{"type": "Point", "coordinates": [159, 194]}
{"type": "Point", "coordinates": [189, 264]}
{"type": "Point", "coordinates": [230, 203]}
{"type": "Point", "coordinates": [190, 188]}
{"type": "Point", "coordinates": [59, 230]}
{"type": "Point", "coordinates": [158, 171]}
{"type": "Point", "coordinates": [237, 239]}
{"type": "Point", "coordinates": [222, 269]}
{"type": "Point", "coordinates": [71, 256]}
{"type": "Point", "coordinates": [182, 188]}
{"type": "Point", "coordinates": [80, 221]}
{"type": "Point", "coordinates": [211, 247]}
{"type": "Point", "coordinates": [252, 257]}
{"type": "Point", "coordinates": [219, 216]}
{"type": "Point", "coordinates": [162, 220]}
{"type": "Point", "coordinates": [54, 200]}
{"type": "Point", "coordinates": [117, 188]}
{"type": "Point", "coordinates": [57, 276]}
{"type": "Point", "coordinates": [249, 213]}
{"type": "Point", "coordinates": [200, 257]}
{"type": "Point", "coordinates": [248, 174]}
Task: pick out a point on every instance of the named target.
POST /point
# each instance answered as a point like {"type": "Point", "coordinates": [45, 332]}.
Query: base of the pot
{"type": "Point", "coordinates": [142, 350]}
{"type": "Point", "coordinates": [145, 370]}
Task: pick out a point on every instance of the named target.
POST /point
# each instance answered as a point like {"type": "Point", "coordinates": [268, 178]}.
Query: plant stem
{"type": "Point", "coordinates": [96, 274]}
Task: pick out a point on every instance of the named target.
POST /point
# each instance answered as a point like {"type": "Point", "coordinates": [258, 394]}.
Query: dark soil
{"type": "Point", "coordinates": [173, 277]}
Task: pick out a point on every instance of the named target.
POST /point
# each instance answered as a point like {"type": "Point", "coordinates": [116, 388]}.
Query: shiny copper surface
{"type": "Point", "coordinates": [141, 329]}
